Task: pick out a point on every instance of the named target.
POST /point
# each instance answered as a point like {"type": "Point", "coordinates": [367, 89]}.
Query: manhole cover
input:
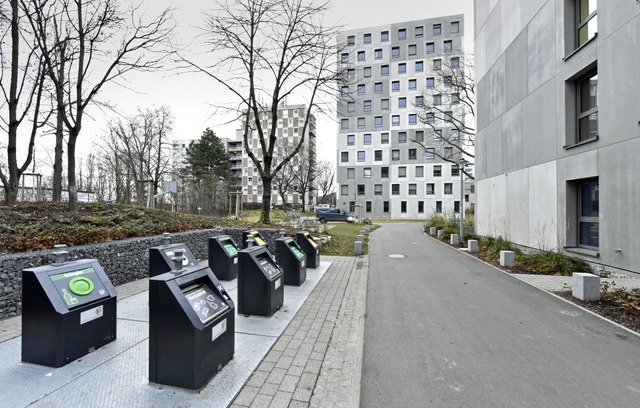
{"type": "Point", "coordinates": [396, 256]}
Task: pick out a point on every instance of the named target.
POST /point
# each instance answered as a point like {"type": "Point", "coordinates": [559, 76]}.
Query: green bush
{"type": "Point", "coordinates": [495, 245]}
{"type": "Point", "coordinates": [553, 262]}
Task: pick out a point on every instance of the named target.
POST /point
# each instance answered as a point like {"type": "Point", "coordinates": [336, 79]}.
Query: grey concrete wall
{"type": "Point", "coordinates": [123, 261]}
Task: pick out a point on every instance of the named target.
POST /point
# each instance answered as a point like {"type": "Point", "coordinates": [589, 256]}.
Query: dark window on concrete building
{"type": "Point", "coordinates": [377, 155]}
{"type": "Point", "coordinates": [413, 189]}
{"type": "Point", "coordinates": [395, 154]}
{"type": "Point", "coordinates": [377, 121]}
{"type": "Point", "coordinates": [384, 36]}
{"type": "Point", "coordinates": [455, 27]}
{"type": "Point", "coordinates": [377, 54]}
{"type": "Point", "coordinates": [402, 102]}
{"type": "Point", "coordinates": [438, 206]}
{"type": "Point", "coordinates": [447, 46]}
{"type": "Point", "coordinates": [385, 206]}
{"type": "Point", "coordinates": [419, 170]}
{"type": "Point", "coordinates": [344, 124]}
{"type": "Point", "coordinates": [361, 56]}
{"type": "Point", "coordinates": [437, 29]}
{"type": "Point", "coordinates": [395, 52]}
{"type": "Point", "coordinates": [367, 72]}
{"type": "Point", "coordinates": [367, 106]}
{"type": "Point", "coordinates": [402, 172]}
{"type": "Point", "coordinates": [456, 206]}
{"type": "Point", "coordinates": [384, 138]}
{"type": "Point", "coordinates": [384, 70]}
{"type": "Point", "coordinates": [344, 157]}
{"type": "Point", "coordinates": [351, 140]}
{"type": "Point", "coordinates": [395, 189]}
{"type": "Point", "coordinates": [384, 172]}
{"type": "Point", "coordinates": [419, 66]}
{"type": "Point", "coordinates": [367, 138]}
{"type": "Point", "coordinates": [437, 171]}
{"type": "Point", "coordinates": [361, 189]}
{"type": "Point", "coordinates": [420, 207]}
{"type": "Point", "coordinates": [430, 153]}
{"type": "Point", "coordinates": [377, 87]}
{"type": "Point", "coordinates": [431, 47]}
{"type": "Point", "coordinates": [377, 189]}
{"type": "Point", "coordinates": [587, 20]}
{"type": "Point", "coordinates": [367, 38]}
{"type": "Point", "coordinates": [588, 107]}
{"type": "Point", "coordinates": [413, 154]}
{"type": "Point", "coordinates": [412, 49]}
{"type": "Point", "coordinates": [367, 206]}
{"type": "Point", "coordinates": [360, 155]}
{"type": "Point", "coordinates": [402, 137]}
{"type": "Point", "coordinates": [344, 190]}
{"type": "Point", "coordinates": [402, 34]}
{"type": "Point", "coordinates": [448, 188]}
{"type": "Point", "coordinates": [431, 188]}
{"type": "Point", "coordinates": [366, 172]}
{"type": "Point", "coordinates": [588, 213]}
{"type": "Point", "coordinates": [403, 207]}
{"type": "Point", "coordinates": [351, 173]}
{"type": "Point", "coordinates": [402, 68]}
{"type": "Point", "coordinates": [419, 31]}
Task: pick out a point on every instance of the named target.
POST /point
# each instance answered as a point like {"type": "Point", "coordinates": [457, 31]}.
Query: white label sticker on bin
{"type": "Point", "coordinates": [235, 260]}
{"type": "Point", "coordinates": [278, 283]}
{"type": "Point", "coordinates": [218, 329]}
{"type": "Point", "coordinates": [91, 314]}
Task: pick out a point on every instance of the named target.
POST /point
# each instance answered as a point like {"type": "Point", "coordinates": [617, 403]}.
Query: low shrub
{"type": "Point", "coordinates": [493, 247]}
{"type": "Point", "coordinates": [554, 263]}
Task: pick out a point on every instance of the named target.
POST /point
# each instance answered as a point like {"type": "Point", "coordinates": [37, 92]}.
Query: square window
{"type": "Point", "coordinates": [587, 23]}
{"type": "Point", "coordinates": [448, 81]}
{"type": "Point", "coordinates": [455, 62]}
{"type": "Point", "coordinates": [447, 46]}
{"type": "Point", "coordinates": [395, 52]}
{"type": "Point", "coordinates": [377, 87]}
{"type": "Point", "coordinates": [344, 190]}
{"type": "Point", "coordinates": [344, 90]}
{"type": "Point", "coordinates": [402, 102]}
{"type": "Point", "coordinates": [419, 100]}
{"type": "Point", "coordinates": [384, 172]}
{"type": "Point", "coordinates": [360, 123]}
{"type": "Point", "coordinates": [384, 70]}
{"type": "Point", "coordinates": [430, 118]}
{"type": "Point", "coordinates": [351, 40]}
{"type": "Point", "coordinates": [430, 153]}
{"type": "Point", "coordinates": [431, 83]}
{"type": "Point", "coordinates": [344, 58]}
{"type": "Point", "coordinates": [351, 73]}
{"type": "Point", "coordinates": [431, 48]}
{"type": "Point", "coordinates": [413, 84]}
{"type": "Point", "coordinates": [344, 157]}
{"type": "Point", "coordinates": [367, 106]}
{"type": "Point", "coordinates": [437, 171]}
{"type": "Point", "coordinates": [395, 189]}
{"type": "Point", "coordinates": [437, 100]}
{"type": "Point", "coordinates": [431, 188]}
{"type": "Point", "coordinates": [419, 31]}
{"type": "Point", "coordinates": [448, 188]}
{"type": "Point", "coordinates": [377, 54]}
{"type": "Point", "coordinates": [455, 27]}
{"type": "Point", "coordinates": [366, 72]}
{"type": "Point", "coordinates": [419, 66]}
{"type": "Point", "coordinates": [412, 50]}
{"type": "Point", "coordinates": [385, 206]}
{"type": "Point", "coordinates": [351, 173]}
{"type": "Point", "coordinates": [384, 138]}
{"type": "Point", "coordinates": [455, 170]}
{"type": "Point", "coordinates": [377, 121]}
{"type": "Point", "coordinates": [437, 29]}
{"type": "Point", "coordinates": [402, 172]}
{"type": "Point", "coordinates": [377, 189]}
{"type": "Point", "coordinates": [395, 154]}
{"type": "Point", "coordinates": [384, 36]}
{"type": "Point", "coordinates": [587, 96]}
{"type": "Point", "coordinates": [367, 206]}
{"type": "Point", "coordinates": [377, 155]}
{"type": "Point", "coordinates": [402, 137]}
{"type": "Point", "coordinates": [413, 119]}
{"type": "Point", "coordinates": [402, 34]}
{"type": "Point", "coordinates": [402, 68]}
{"type": "Point", "coordinates": [366, 172]}
{"type": "Point", "coordinates": [438, 206]}
{"type": "Point", "coordinates": [395, 86]}
{"type": "Point", "coordinates": [420, 207]}
{"type": "Point", "coordinates": [420, 136]}
{"type": "Point", "coordinates": [437, 64]}
{"type": "Point", "coordinates": [395, 120]}
{"type": "Point", "coordinates": [351, 140]}
{"type": "Point", "coordinates": [455, 134]}
{"type": "Point", "coordinates": [361, 189]}
{"type": "Point", "coordinates": [448, 152]}
{"type": "Point", "coordinates": [367, 138]}
{"type": "Point", "coordinates": [384, 104]}
{"type": "Point", "coordinates": [361, 155]}
{"type": "Point", "coordinates": [455, 99]}
{"type": "Point", "coordinates": [413, 189]}
{"type": "Point", "coordinates": [413, 154]}
{"type": "Point", "coordinates": [360, 56]}
{"type": "Point", "coordinates": [403, 207]}
{"type": "Point", "coordinates": [456, 206]}
{"type": "Point", "coordinates": [419, 171]}
{"type": "Point", "coordinates": [361, 89]}
{"type": "Point", "coordinates": [367, 38]}
{"type": "Point", "coordinates": [344, 123]}
{"type": "Point", "coordinates": [437, 134]}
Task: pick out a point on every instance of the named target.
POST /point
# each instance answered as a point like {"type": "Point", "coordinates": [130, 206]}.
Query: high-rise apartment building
{"type": "Point", "coordinates": [289, 128]}
{"type": "Point", "coordinates": [559, 122]}
{"type": "Point", "coordinates": [381, 171]}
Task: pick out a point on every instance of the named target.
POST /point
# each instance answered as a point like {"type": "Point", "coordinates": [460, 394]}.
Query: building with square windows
{"type": "Point", "coordinates": [558, 122]}
{"type": "Point", "coordinates": [381, 171]}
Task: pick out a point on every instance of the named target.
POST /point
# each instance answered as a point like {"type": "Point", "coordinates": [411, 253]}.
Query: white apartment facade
{"type": "Point", "coordinates": [381, 172]}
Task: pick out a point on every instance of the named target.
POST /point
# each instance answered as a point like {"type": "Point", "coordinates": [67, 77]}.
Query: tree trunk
{"type": "Point", "coordinates": [265, 213]}
{"type": "Point", "coordinates": [71, 166]}
{"type": "Point", "coordinates": [11, 185]}
{"type": "Point", "coordinates": [58, 153]}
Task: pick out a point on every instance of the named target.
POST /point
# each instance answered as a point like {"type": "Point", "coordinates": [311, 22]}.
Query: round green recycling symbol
{"type": "Point", "coordinates": [81, 286]}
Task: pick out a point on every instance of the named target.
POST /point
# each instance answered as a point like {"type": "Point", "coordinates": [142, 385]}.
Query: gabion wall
{"type": "Point", "coordinates": [123, 261]}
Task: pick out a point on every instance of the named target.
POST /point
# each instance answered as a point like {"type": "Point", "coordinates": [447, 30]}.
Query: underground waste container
{"type": "Point", "coordinates": [310, 248]}
{"type": "Point", "coordinates": [191, 327]}
{"type": "Point", "coordinates": [260, 282]}
{"type": "Point", "coordinates": [292, 260]}
{"type": "Point", "coordinates": [68, 311]}
{"type": "Point", "coordinates": [223, 257]}
{"type": "Point", "coordinates": [161, 258]}
{"type": "Point", "coordinates": [258, 239]}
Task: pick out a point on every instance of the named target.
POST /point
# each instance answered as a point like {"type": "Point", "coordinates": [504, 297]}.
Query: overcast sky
{"type": "Point", "coordinates": [190, 96]}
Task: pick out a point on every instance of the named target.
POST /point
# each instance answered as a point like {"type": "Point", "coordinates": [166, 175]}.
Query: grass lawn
{"type": "Point", "coordinates": [342, 238]}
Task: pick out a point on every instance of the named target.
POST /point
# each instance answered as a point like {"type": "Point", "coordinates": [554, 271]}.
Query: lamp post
{"type": "Point", "coordinates": [461, 170]}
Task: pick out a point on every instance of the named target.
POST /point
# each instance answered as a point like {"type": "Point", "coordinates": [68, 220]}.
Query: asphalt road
{"type": "Point", "coordinates": [445, 330]}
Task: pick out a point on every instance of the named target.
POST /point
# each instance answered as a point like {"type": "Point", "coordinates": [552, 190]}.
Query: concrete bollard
{"type": "Point", "coordinates": [472, 246]}
{"type": "Point", "coordinates": [432, 231]}
{"type": "Point", "coordinates": [361, 238]}
{"type": "Point", "coordinates": [585, 286]}
{"type": "Point", "coordinates": [453, 239]}
{"type": "Point", "coordinates": [357, 248]}
{"type": "Point", "coordinates": [507, 258]}
{"type": "Point", "coordinates": [439, 233]}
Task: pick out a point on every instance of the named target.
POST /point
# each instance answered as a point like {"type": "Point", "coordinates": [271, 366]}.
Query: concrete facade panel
{"type": "Point", "coordinates": [493, 29]}
{"type": "Point", "coordinates": [516, 68]}
{"type": "Point", "coordinates": [483, 207]}
{"type": "Point", "coordinates": [539, 126]}
{"type": "Point", "coordinates": [483, 104]}
{"type": "Point", "coordinates": [480, 55]}
{"type": "Point", "coordinates": [497, 91]}
{"type": "Point", "coordinates": [541, 47]}
{"type": "Point", "coordinates": [481, 14]}
{"type": "Point", "coordinates": [511, 22]}
{"type": "Point", "coordinates": [543, 221]}
{"type": "Point", "coordinates": [512, 136]}
{"type": "Point", "coordinates": [530, 8]}
{"type": "Point", "coordinates": [518, 205]}
{"type": "Point", "coordinates": [494, 148]}
{"type": "Point", "coordinates": [499, 220]}
{"type": "Point", "coordinates": [481, 154]}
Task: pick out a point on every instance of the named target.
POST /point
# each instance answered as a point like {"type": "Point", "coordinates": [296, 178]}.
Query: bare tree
{"type": "Point", "coordinates": [271, 50]}
{"type": "Point", "coordinates": [447, 109]}
{"type": "Point", "coordinates": [325, 177]}
{"type": "Point", "coordinates": [22, 93]}
{"type": "Point", "coordinates": [305, 176]}
{"type": "Point", "coordinates": [101, 44]}
{"type": "Point", "coordinates": [140, 144]}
